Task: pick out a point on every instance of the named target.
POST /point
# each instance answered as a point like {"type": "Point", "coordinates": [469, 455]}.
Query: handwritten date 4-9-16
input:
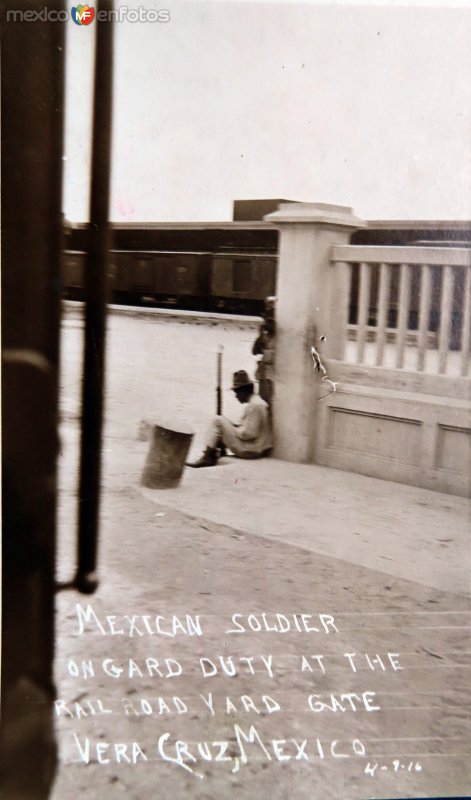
{"type": "Point", "coordinates": [373, 768]}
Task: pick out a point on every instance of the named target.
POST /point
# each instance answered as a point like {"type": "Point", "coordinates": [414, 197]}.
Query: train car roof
{"type": "Point", "coordinates": [218, 254]}
{"type": "Point", "coordinates": [442, 243]}
{"type": "Point", "coordinates": [190, 226]}
{"type": "Point", "coordinates": [242, 253]}
{"type": "Point", "coordinates": [374, 224]}
{"type": "Point", "coordinates": [151, 252]}
{"type": "Point", "coordinates": [418, 224]}
{"type": "Point", "coordinates": [154, 252]}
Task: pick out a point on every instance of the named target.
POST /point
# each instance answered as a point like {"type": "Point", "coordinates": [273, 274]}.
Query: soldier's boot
{"type": "Point", "coordinates": [208, 459]}
{"type": "Point", "coordinates": [221, 449]}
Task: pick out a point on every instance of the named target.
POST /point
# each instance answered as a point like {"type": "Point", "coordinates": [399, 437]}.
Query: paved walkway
{"type": "Point", "coordinates": [162, 554]}
{"type": "Point", "coordinates": [403, 531]}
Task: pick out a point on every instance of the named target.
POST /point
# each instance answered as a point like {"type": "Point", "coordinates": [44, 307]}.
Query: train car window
{"type": "Point", "coordinates": [242, 275]}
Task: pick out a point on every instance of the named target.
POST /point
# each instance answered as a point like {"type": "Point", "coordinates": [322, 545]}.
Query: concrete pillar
{"type": "Point", "coordinates": [312, 301]}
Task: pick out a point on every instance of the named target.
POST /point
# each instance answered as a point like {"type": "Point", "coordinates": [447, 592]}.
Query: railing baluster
{"type": "Point", "coordinates": [383, 302]}
{"type": "Point", "coordinates": [466, 324]}
{"type": "Point", "coordinates": [341, 287]}
{"type": "Point", "coordinates": [363, 308]}
{"type": "Point", "coordinates": [445, 318]}
{"type": "Point", "coordinates": [424, 314]}
{"type": "Point", "coordinates": [402, 324]}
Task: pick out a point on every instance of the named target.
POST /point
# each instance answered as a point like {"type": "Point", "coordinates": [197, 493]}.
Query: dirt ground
{"type": "Point", "coordinates": [402, 732]}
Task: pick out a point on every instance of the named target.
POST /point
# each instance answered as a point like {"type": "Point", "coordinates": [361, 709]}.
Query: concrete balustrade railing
{"type": "Point", "coordinates": [405, 289]}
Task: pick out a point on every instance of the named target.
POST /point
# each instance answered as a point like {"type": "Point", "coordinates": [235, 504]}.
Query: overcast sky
{"type": "Point", "coordinates": [366, 106]}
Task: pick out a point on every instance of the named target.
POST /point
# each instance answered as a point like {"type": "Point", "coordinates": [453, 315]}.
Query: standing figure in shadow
{"type": "Point", "coordinates": [264, 346]}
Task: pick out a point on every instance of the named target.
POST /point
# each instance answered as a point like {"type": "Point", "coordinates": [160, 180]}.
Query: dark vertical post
{"type": "Point", "coordinates": [95, 320]}
{"type": "Point", "coordinates": [222, 448]}
{"type": "Point", "coordinates": [219, 382]}
{"type": "Point", "coordinates": [32, 61]}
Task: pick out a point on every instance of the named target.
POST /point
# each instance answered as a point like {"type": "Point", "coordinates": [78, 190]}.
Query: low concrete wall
{"type": "Point", "coordinates": [73, 309]}
{"type": "Point", "coordinates": [399, 434]}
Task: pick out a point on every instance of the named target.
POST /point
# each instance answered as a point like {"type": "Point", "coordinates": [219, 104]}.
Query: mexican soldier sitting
{"type": "Point", "coordinates": [251, 438]}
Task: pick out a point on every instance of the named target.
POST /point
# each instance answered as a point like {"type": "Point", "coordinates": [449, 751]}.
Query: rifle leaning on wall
{"type": "Point", "coordinates": [222, 449]}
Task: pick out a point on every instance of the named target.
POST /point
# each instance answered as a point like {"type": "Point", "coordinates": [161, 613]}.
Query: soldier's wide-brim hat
{"type": "Point", "coordinates": [241, 379]}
